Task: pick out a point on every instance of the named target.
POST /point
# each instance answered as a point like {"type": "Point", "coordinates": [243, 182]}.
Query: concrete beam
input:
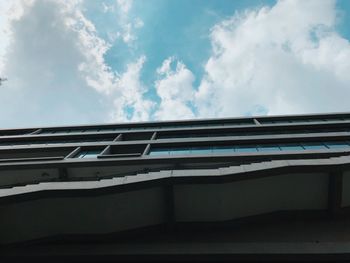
{"type": "Point", "coordinates": [335, 188]}
{"type": "Point", "coordinates": [169, 210]}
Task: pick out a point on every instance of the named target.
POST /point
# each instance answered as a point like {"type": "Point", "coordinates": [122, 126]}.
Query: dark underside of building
{"type": "Point", "coordinates": [246, 189]}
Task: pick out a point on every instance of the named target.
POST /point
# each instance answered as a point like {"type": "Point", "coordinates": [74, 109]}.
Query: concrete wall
{"type": "Point", "coordinates": [218, 202]}
{"type": "Point", "coordinates": [80, 215]}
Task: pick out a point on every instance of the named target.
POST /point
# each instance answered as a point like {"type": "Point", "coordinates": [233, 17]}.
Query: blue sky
{"type": "Point", "coordinates": [87, 61]}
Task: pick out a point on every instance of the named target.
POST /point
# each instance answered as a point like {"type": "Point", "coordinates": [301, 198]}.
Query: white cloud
{"type": "Point", "coordinates": [138, 23]}
{"type": "Point", "coordinates": [127, 22]}
{"type": "Point", "coordinates": [284, 59]}
{"type": "Point", "coordinates": [107, 8]}
{"type": "Point", "coordinates": [54, 62]}
{"type": "Point", "coordinates": [9, 11]}
{"type": "Point", "coordinates": [130, 104]}
{"type": "Point", "coordinates": [125, 5]}
{"type": "Point", "coordinates": [175, 89]}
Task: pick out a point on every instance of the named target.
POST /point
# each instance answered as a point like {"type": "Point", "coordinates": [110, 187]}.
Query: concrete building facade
{"type": "Point", "coordinates": [254, 188]}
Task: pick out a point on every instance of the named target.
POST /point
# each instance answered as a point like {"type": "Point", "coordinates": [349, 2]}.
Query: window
{"type": "Point", "coordinates": [88, 154]}
{"type": "Point", "coordinates": [180, 151]}
{"type": "Point", "coordinates": [159, 152]}
{"type": "Point", "coordinates": [268, 148]}
{"type": "Point", "coordinates": [201, 150]}
{"type": "Point", "coordinates": [314, 146]}
{"type": "Point", "coordinates": [223, 150]}
{"type": "Point", "coordinates": [337, 145]}
{"type": "Point", "coordinates": [245, 149]}
{"type": "Point", "coordinates": [291, 147]}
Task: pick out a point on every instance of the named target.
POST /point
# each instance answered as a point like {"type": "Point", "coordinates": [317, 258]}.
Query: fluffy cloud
{"type": "Point", "coordinates": [130, 103]}
{"type": "Point", "coordinates": [175, 89]}
{"type": "Point", "coordinates": [284, 59]}
{"type": "Point", "coordinates": [54, 62]}
{"type": "Point", "coordinates": [128, 23]}
{"type": "Point", "coordinates": [9, 11]}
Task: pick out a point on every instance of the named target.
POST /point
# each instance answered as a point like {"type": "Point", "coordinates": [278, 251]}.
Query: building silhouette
{"type": "Point", "coordinates": [257, 188]}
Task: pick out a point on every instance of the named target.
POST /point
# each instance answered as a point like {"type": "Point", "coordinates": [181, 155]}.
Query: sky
{"type": "Point", "coordinates": [86, 61]}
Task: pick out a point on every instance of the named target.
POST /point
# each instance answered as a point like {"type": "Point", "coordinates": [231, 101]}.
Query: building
{"type": "Point", "coordinates": [257, 188]}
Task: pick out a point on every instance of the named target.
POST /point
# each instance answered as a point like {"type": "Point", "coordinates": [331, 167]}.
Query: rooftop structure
{"type": "Point", "coordinates": [234, 188]}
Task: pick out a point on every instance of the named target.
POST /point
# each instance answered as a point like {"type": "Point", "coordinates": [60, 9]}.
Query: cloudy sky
{"type": "Point", "coordinates": [88, 61]}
